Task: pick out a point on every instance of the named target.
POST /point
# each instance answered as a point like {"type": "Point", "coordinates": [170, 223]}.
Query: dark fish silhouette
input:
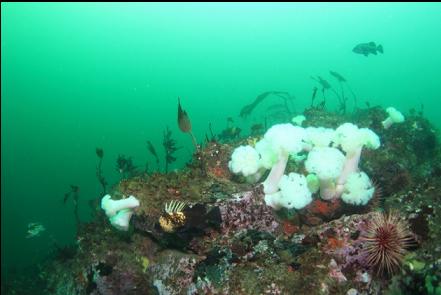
{"type": "Point", "coordinates": [368, 48]}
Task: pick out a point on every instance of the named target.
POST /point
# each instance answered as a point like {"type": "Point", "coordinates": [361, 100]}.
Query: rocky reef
{"type": "Point", "coordinates": [228, 241]}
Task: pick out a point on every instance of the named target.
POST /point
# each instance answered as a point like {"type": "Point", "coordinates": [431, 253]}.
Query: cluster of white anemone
{"type": "Point", "coordinates": [332, 162]}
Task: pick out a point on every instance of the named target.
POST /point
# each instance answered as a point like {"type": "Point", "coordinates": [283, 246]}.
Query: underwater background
{"type": "Point", "coordinates": [76, 77]}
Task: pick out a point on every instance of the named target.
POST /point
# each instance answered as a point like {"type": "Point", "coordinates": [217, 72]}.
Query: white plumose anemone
{"type": "Point", "coordinates": [352, 139]}
{"type": "Point", "coordinates": [119, 212]}
{"type": "Point", "coordinates": [284, 139]}
{"type": "Point", "coordinates": [319, 136]}
{"type": "Point", "coordinates": [327, 163]}
{"type": "Point", "coordinates": [121, 220]}
{"type": "Point", "coordinates": [294, 190]}
{"type": "Point", "coordinates": [395, 116]}
{"type": "Point", "coordinates": [267, 155]}
{"type": "Point", "coordinates": [358, 189]}
{"type": "Point", "coordinates": [245, 160]}
{"type": "Point", "coordinates": [111, 207]}
{"type": "Point", "coordinates": [298, 120]}
{"type": "Point", "coordinates": [294, 193]}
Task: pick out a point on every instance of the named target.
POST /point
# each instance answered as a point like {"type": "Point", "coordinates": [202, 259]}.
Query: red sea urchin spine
{"type": "Point", "coordinates": [387, 237]}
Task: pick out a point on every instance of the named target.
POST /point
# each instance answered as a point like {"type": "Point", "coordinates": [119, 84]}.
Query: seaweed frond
{"type": "Point", "coordinates": [170, 148]}
{"type": "Point", "coordinates": [99, 171]}
{"type": "Point", "coordinates": [125, 166]}
{"type": "Point", "coordinates": [152, 150]}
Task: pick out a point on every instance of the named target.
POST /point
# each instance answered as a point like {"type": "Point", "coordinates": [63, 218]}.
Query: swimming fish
{"type": "Point", "coordinates": [34, 229]}
{"type": "Point", "coordinates": [368, 48]}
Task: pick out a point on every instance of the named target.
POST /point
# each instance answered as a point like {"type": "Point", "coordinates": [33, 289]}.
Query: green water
{"type": "Point", "coordinates": [79, 76]}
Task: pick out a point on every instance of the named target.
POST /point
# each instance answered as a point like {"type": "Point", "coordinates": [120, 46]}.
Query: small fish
{"type": "Point", "coordinates": [182, 217]}
{"type": "Point", "coordinates": [34, 229]}
{"type": "Point", "coordinates": [173, 216]}
{"type": "Point", "coordinates": [368, 48]}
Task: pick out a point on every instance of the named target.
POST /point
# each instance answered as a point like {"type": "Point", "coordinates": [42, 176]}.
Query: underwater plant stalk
{"type": "Point", "coordinates": [323, 103]}
{"type": "Point", "coordinates": [353, 95]}
{"type": "Point", "coordinates": [74, 192]}
{"type": "Point", "coordinates": [77, 216]}
{"type": "Point", "coordinates": [152, 150]}
{"type": "Point", "coordinates": [193, 139]}
{"type": "Point", "coordinates": [170, 148]}
{"type": "Point", "coordinates": [314, 93]}
{"type": "Point", "coordinates": [99, 171]}
{"type": "Point", "coordinates": [213, 138]}
{"type": "Point", "coordinates": [184, 124]}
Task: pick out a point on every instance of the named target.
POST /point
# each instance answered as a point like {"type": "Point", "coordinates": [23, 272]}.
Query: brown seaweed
{"type": "Point", "coordinates": [73, 194]}
{"type": "Point", "coordinates": [183, 119]}
{"type": "Point", "coordinates": [341, 80]}
{"type": "Point", "coordinates": [99, 171]}
{"type": "Point", "coordinates": [184, 123]}
{"type": "Point", "coordinates": [170, 148]}
{"type": "Point", "coordinates": [247, 110]}
{"type": "Point", "coordinates": [152, 150]}
{"type": "Point", "coordinates": [125, 166]}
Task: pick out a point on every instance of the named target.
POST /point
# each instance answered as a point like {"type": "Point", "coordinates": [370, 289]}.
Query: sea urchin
{"type": "Point", "coordinates": [386, 239]}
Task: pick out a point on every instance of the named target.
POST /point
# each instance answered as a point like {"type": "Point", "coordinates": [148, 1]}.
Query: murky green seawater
{"type": "Point", "coordinates": [79, 76]}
